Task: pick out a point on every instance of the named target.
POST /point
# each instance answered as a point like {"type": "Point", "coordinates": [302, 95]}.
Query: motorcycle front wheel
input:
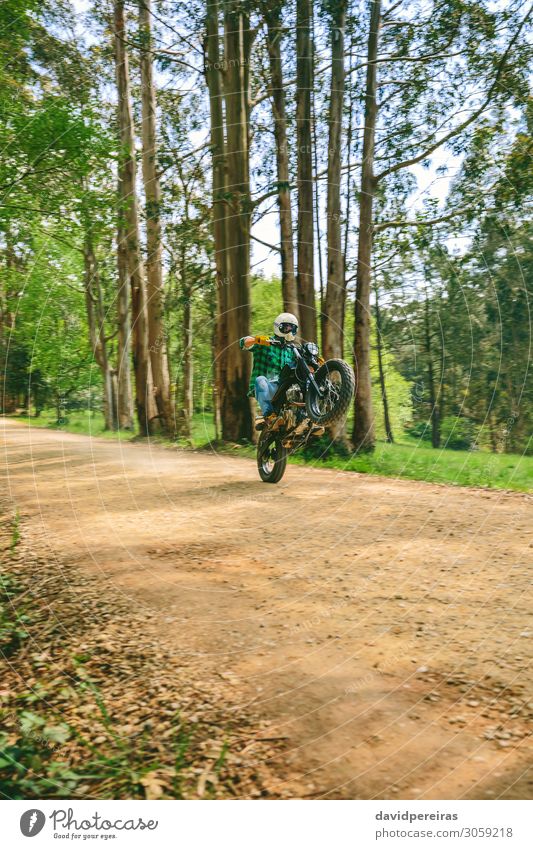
{"type": "Point", "coordinates": [336, 380]}
{"type": "Point", "coordinates": [271, 458]}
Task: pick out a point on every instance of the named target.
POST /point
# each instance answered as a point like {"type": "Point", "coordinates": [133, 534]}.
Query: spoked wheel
{"type": "Point", "coordinates": [271, 458]}
{"type": "Point", "coordinates": [337, 383]}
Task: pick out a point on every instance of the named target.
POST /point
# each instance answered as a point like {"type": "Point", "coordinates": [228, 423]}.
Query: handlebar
{"type": "Point", "coordinates": [267, 342]}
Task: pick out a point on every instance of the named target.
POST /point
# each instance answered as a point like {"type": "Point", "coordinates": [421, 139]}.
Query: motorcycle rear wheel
{"type": "Point", "coordinates": [271, 458]}
{"type": "Point", "coordinates": [337, 379]}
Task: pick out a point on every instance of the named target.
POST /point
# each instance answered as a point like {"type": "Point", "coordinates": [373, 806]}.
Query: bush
{"type": "Point", "coordinates": [458, 433]}
{"type": "Point", "coordinates": [323, 448]}
{"type": "Point", "coordinates": [420, 430]}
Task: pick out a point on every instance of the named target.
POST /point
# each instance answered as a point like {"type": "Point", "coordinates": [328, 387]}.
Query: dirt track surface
{"type": "Point", "coordinates": [382, 628]}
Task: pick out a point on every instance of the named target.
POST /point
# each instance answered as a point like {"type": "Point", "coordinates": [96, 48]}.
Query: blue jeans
{"type": "Point", "coordinates": [264, 392]}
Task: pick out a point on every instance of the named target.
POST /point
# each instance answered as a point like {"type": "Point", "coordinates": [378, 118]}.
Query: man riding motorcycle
{"type": "Point", "coordinates": [300, 394]}
{"type": "Point", "coordinates": [268, 363]}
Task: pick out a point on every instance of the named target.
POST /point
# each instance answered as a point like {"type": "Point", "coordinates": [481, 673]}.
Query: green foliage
{"type": "Point", "coordinates": [51, 324]}
{"type": "Point", "coordinates": [35, 763]}
{"type": "Point", "coordinates": [16, 31]}
{"type": "Point", "coordinates": [398, 391]}
{"type": "Point", "coordinates": [266, 304]}
{"type": "Point", "coordinates": [13, 618]}
{"type": "Point", "coordinates": [420, 431]}
{"type": "Point", "coordinates": [458, 433]}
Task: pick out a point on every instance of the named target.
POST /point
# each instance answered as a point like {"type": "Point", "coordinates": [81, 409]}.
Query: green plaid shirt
{"type": "Point", "coordinates": [267, 361]}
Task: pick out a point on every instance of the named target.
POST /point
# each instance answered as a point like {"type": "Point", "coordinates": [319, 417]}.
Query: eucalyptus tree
{"type": "Point", "coordinates": [333, 313]}
{"type": "Point", "coordinates": [304, 148]}
{"type": "Point", "coordinates": [129, 227]}
{"type": "Point", "coordinates": [157, 342]}
{"type": "Point", "coordinates": [188, 246]}
{"type": "Point", "coordinates": [214, 80]}
{"type": "Point", "coordinates": [239, 35]}
{"type": "Point", "coordinates": [272, 13]}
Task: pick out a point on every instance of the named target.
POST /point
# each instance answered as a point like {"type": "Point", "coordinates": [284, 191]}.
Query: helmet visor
{"type": "Point", "coordinates": [287, 327]}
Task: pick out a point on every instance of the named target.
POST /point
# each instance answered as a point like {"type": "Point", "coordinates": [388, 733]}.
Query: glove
{"type": "Point", "coordinates": [261, 340]}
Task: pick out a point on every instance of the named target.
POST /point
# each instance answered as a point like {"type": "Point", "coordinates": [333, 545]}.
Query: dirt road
{"type": "Point", "coordinates": [382, 627]}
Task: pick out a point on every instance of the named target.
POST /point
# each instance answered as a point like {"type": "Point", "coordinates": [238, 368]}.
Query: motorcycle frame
{"type": "Point", "coordinates": [303, 382]}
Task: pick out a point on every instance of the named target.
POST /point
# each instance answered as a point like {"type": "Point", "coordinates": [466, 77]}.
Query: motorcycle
{"type": "Point", "coordinates": [311, 395]}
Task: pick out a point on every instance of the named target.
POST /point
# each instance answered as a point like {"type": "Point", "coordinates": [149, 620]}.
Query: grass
{"type": "Point", "coordinates": [406, 459]}
{"type": "Point", "coordinates": [80, 421]}
{"type": "Point", "coordinates": [416, 461]}
{"type": "Point", "coordinates": [35, 761]}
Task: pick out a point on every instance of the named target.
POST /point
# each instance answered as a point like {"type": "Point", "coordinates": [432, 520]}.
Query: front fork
{"type": "Point", "coordinates": [311, 380]}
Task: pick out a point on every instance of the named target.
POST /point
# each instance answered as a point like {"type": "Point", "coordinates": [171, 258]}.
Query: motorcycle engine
{"type": "Point", "coordinates": [292, 415]}
{"type": "Point", "coordinates": [294, 393]}
{"type": "Point", "coordinates": [289, 419]}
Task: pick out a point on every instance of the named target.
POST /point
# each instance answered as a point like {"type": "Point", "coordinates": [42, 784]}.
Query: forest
{"type": "Point", "coordinates": [175, 174]}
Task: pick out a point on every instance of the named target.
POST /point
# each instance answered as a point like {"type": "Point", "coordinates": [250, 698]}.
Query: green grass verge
{"type": "Point", "coordinates": [81, 421]}
{"type": "Point", "coordinates": [419, 462]}
{"type": "Point", "coordinates": [406, 459]}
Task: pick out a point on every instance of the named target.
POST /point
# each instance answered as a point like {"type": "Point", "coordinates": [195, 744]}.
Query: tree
{"type": "Point", "coordinates": [382, 382]}
{"type": "Point", "coordinates": [333, 314]}
{"type": "Point", "coordinates": [236, 412]}
{"type": "Point", "coordinates": [213, 74]}
{"type": "Point", "coordinates": [129, 226]}
{"type": "Point", "coordinates": [124, 396]}
{"type": "Point", "coordinates": [94, 301]}
{"type": "Point", "coordinates": [272, 14]}
{"type": "Point", "coordinates": [304, 85]}
{"type": "Point", "coordinates": [157, 343]}
{"type": "Point", "coordinates": [363, 427]}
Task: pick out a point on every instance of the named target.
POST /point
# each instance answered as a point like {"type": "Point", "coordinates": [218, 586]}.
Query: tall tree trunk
{"type": "Point", "coordinates": [316, 188]}
{"type": "Point", "coordinates": [94, 303]}
{"type": "Point", "coordinates": [213, 73]}
{"type": "Point", "coordinates": [434, 412]}
{"type": "Point", "coordinates": [154, 264]}
{"type": "Point", "coordinates": [363, 429]}
{"type": "Point", "coordinates": [492, 424]}
{"type": "Point", "coordinates": [214, 354]}
{"type": "Point", "coordinates": [236, 410]}
{"type": "Point", "coordinates": [129, 212]}
{"type": "Point", "coordinates": [8, 403]}
{"type": "Point", "coordinates": [379, 341]}
{"type": "Point", "coordinates": [186, 400]}
{"type": "Point", "coordinates": [347, 216]}
{"type": "Point", "coordinates": [335, 292]}
{"type": "Point", "coordinates": [185, 423]}
{"type": "Point", "coordinates": [288, 278]}
{"type": "Point", "coordinates": [304, 85]}
{"type": "Point", "coordinates": [124, 399]}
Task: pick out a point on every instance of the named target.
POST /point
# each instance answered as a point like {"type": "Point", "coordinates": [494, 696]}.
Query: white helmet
{"type": "Point", "coordinates": [286, 326]}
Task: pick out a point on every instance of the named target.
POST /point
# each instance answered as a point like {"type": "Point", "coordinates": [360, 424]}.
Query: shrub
{"type": "Point", "coordinates": [420, 430]}
{"type": "Point", "coordinates": [458, 433]}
